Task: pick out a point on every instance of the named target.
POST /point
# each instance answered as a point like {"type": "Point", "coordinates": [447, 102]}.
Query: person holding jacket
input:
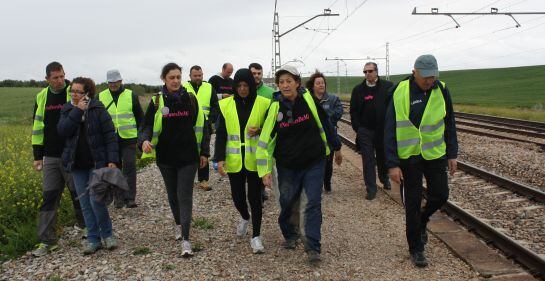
{"type": "Point", "coordinates": [332, 105]}
{"type": "Point", "coordinates": [124, 108]}
{"type": "Point", "coordinates": [367, 111]}
{"type": "Point", "coordinates": [296, 133]}
{"type": "Point", "coordinates": [90, 144]}
{"type": "Point", "coordinates": [174, 132]}
{"type": "Point", "coordinates": [420, 140]}
{"type": "Point", "coordinates": [239, 125]}
{"type": "Point", "coordinates": [47, 146]}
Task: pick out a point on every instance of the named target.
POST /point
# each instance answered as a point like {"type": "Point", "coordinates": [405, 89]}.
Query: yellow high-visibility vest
{"type": "Point", "coordinates": [38, 124]}
{"type": "Point", "coordinates": [429, 138]}
{"type": "Point", "coordinates": [233, 150]}
{"type": "Point", "coordinates": [122, 114]}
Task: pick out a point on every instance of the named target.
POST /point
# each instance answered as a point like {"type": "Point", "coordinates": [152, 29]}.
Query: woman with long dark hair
{"type": "Point", "coordinates": [175, 134]}
{"type": "Point", "coordinates": [90, 144]}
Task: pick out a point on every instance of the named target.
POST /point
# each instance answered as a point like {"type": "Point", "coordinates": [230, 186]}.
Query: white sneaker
{"type": "Point", "coordinates": [242, 227]}
{"type": "Point", "coordinates": [257, 245]}
{"type": "Point", "coordinates": [178, 232]}
{"type": "Point", "coordinates": [186, 249]}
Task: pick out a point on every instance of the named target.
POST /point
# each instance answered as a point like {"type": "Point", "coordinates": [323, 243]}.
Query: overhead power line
{"type": "Point", "coordinates": [493, 12]}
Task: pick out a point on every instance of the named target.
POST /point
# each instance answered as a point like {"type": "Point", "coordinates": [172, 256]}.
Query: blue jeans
{"type": "Point", "coordinates": [290, 184]}
{"type": "Point", "coordinates": [97, 218]}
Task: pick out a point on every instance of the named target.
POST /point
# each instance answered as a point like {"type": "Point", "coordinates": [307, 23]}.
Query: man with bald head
{"type": "Point", "coordinates": [222, 82]}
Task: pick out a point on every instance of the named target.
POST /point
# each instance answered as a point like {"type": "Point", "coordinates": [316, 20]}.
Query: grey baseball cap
{"type": "Point", "coordinates": [113, 76]}
{"type": "Point", "coordinates": [289, 69]}
{"type": "Point", "coordinates": [427, 65]}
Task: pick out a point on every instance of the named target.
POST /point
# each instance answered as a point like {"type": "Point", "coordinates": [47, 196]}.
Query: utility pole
{"type": "Point", "coordinates": [493, 12]}
{"type": "Point", "coordinates": [368, 58]}
{"type": "Point", "coordinates": [277, 35]}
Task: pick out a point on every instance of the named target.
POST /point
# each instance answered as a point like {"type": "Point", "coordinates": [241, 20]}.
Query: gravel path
{"type": "Point", "coordinates": [522, 162]}
{"type": "Point", "coordinates": [362, 240]}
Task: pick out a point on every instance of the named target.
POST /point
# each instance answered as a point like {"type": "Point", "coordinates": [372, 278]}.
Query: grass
{"type": "Point", "coordinates": [167, 267]}
{"type": "Point", "coordinates": [202, 223]}
{"type": "Point", "coordinates": [141, 251]}
{"type": "Point", "coordinates": [20, 185]}
{"type": "Point", "coordinates": [511, 92]}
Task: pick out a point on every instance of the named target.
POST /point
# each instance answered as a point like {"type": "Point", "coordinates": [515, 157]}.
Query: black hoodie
{"type": "Point", "coordinates": [244, 109]}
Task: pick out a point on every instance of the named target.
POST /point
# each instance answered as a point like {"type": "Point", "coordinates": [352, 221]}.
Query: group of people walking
{"type": "Point", "coordinates": [286, 137]}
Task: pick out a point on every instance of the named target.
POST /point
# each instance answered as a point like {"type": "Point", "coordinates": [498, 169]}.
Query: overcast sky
{"type": "Point", "coordinates": [139, 37]}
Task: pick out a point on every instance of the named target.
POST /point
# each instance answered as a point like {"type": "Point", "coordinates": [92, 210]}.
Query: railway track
{"type": "Point", "coordinates": [498, 127]}
{"type": "Point", "coordinates": [507, 214]}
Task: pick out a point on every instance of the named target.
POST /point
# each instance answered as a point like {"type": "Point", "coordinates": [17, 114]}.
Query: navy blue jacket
{"type": "Point", "coordinates": [419, 100]}
{"type": "Point", "coordinates": [100, 131]}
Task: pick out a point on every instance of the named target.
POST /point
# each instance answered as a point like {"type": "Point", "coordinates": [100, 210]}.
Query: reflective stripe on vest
{"type": "Point", "coordinates": [233, 155]}
{"type": "Point", "coordinates": [158, 126]}
{"type": "Point", "coordinates": [38, 123]}
{"type": "Point", "coordinates": [203, 95]}
{"type": "Point", "coordinates": [428, 139]}
{"type": "Point", "coordinates": [121, 113]}
{"type": "Point", "coordinates": [266, 145]}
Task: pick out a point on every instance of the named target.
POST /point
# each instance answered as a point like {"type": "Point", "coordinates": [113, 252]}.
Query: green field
{"type": "Point", "coordinates": [20, 185]}
{"type": "Point", "coordinates": [515, 92]}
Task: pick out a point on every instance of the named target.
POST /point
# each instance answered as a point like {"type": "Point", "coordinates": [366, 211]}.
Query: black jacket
{"type": "Point", "coordinates": [356, 102]}
{"type": "Point", "coordinates": [100, 131]}
{"type": "Point", "coordinates": [419, 100]}
{"type": "Point", "coordinates": [171, 136]}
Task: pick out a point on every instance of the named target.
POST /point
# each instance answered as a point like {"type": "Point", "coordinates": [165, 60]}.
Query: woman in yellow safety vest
{"type": "Point", "coordinates": [296, 133]}
{"type": "Point", "coordinates": [175, 134]}
{"type": "Point", "coordinates": [239, 124]}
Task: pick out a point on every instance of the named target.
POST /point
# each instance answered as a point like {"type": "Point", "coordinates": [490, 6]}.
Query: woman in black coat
{"type": "Point", "coordinates": [90, 144]}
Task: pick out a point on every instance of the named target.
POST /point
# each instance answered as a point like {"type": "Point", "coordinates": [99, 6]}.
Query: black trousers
{"type": "Point", "coordinates": [328, 174]}
{"type": "Point", "coordinates": [238, 192]}
{"type": "Point", "coordinates": [435, 172]}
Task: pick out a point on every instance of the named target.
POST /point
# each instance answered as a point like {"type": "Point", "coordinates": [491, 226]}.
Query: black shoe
{"type": "Point", "coordinates": [418, 259]}
{"type": "Point", "coordinates": [314, 257]}
{"type": "Point", "coordinates": [289, 244]}
{"type": "Point", "coordinates": [119, 204]}
{"type": "Point", "coordinates": [131, 204]}
{"type": "Point", "coordinates": [370, 195]}
{"type": "Point", "coordinates": [424, 236]}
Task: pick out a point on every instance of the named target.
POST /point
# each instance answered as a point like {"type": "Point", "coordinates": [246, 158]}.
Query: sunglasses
{"type": "Point", "coordinates": [368, 71]}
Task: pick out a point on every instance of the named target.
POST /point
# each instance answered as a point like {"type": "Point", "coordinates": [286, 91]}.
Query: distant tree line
{"type": "Point", "coordinates": [137, 88]}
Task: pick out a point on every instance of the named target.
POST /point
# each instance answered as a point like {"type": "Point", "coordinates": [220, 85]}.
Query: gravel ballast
{"type": "Point", "coordinates": [361, 240]}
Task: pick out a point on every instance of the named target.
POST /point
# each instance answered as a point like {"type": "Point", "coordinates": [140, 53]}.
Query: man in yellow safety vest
{"type": "Point", "coordinates": [124, 107]}
{"type": "Point", "coordinates": [208, 101]}
{"type": "Point", "coordinates": [420, 140]}
{"type": "Point", "coordinates": [47, 146]}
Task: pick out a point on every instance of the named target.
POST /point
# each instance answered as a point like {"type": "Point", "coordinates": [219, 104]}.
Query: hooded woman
{"type": "Point", "coordinates": [239, 125]}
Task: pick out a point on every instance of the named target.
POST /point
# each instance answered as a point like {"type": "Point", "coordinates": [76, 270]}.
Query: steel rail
{"type": "Point", "coordinates": [513, 249]}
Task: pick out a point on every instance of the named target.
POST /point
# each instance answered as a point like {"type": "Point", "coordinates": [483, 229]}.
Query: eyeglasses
{"type": "Point", "coordinates": [77, 92]}
{"type": "Point", "coordinates": [368, 71]}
